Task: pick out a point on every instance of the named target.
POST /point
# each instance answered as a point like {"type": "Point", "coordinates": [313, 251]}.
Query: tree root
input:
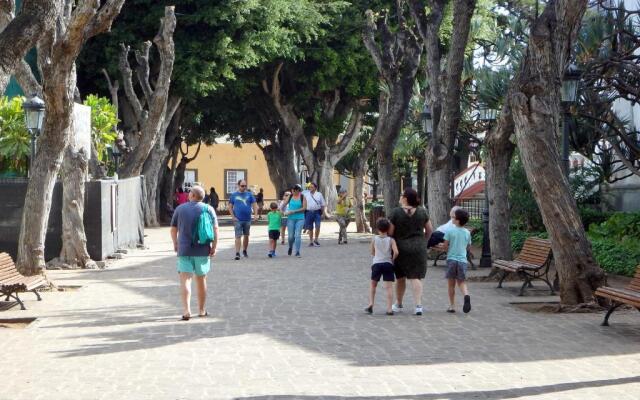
{"type": "Point", "coordinates": [580, 308]}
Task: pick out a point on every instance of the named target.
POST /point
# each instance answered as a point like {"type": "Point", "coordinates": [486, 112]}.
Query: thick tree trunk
{"type": "Point", "coordinates": [324, 173]}
{"type": "Point", "coordinates": [151, 171]}
{"type": "Point", "coordinates": [535, 107]}
{"type": "Point", "coordinates": [499, 154]}
{"type": "Point", "coordinates": [439, 194]}
{"type": "Point", "coordinates": [57, 53]}
{"type": "Point", "coordinates": [74, 240]}
{"type": "Point", "coordinates": [280, 161]}
{"type": "Point", "coordinates": [444, 72]}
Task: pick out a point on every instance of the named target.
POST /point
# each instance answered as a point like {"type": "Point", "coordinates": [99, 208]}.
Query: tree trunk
{"type": "Point", "coordinates": [536, 110]}
{"type": "Point", "coordinates": [324, 176]}
{"type": "Point", "coordinates": [168, 190]}
{"type": "Point", "coordinates": [499, 154]}
{"type": "Point", "coordinates": [362, 224]}
{"type": "Point", "coordinates": [74, 240]}
{"type": "Point", "coordinates": [280, 162]}
{"type": "Point", "coordinates": [421, 176]}
{"type": "Point", "coordinates": [57, 53]}
{"type": "Point", "coordinates": [159, 113]}
{"type": "Point", "coordinates": [439, 194]}
{"type": "Point", "coordinates": [151, 171]}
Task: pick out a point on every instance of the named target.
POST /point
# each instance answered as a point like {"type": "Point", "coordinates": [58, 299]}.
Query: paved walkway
{"type": "Point", "coordinates": [294, 329]}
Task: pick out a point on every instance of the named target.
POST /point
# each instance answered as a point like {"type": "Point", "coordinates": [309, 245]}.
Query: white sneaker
{"type": "Point", "coordinates": [396, 308]}
{"type": "Point", "coordinates": [418, 310]}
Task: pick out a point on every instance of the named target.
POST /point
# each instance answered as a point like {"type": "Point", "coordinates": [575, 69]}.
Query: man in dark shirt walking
{"type": "Point", "coordinates": [193, 258]}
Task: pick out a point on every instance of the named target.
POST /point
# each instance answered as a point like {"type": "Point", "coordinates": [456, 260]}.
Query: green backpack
{"type": "Point", "coordinates": [203, 228]}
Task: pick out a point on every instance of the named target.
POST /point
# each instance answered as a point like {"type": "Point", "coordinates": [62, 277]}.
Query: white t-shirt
{"type": "Point", "coordinates": [315, 201]}
{"type": "Point", "coordinates": [446, 227]}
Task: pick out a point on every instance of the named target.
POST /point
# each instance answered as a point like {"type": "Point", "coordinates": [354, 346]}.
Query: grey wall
{"type": "Point", "coordinates": [104, 234]}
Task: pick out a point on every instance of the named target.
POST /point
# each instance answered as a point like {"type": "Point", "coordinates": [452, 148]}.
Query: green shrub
{"type": "Point", "coordinates": [616, 257]}
{"type": "Point", "coordinates": [14, 138]}
{"type": "Point", "coordinates": [591, 216]}
{"type": "Point", "coordinates": [620, 227]}
{"type": "Point", "coordinates": [103, 120]}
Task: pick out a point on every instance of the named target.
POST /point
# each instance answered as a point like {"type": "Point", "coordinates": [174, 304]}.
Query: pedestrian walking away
{"type": "Point", "coordinates": [316, 209]}
{"type": "Point", "coordinates": [344, 208]}
{"type": "Point", "coordinates": [437, 236]}
{"type": "Point", "coordinates": [296, 205]}
{"type": "Point", "coordinates": [457, 242]}
{"type": "Point", "coordinates": [411, 228]}
{"type": "Point", "coordinates": [384, 251]}
{"type": "Point", "coordinates": [260, 202]}
{"type": "Point", "coordinates": [282, 206]}
{"type": "Point", "coordinates": [194, 232]}
{"type": "Point", "coordinates": [274, 218]}
{"type": "Point", "coordinates": [214, 199]}
{"type": "Point", "coordinates": [243, 209]}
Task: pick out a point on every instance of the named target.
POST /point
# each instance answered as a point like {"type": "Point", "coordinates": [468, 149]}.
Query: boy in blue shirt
{"type": "Point", "coordinates": [457, 242]}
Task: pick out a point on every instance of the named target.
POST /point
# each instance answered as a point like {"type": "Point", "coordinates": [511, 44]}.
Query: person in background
{"type": "Point", "coordinates": [242, 205]}
{"type": "Point", "coordinates": [181, 196]}
{"type": "Point", "coordinates": [214, 200]}
{"type": "Point", "coordinates": [437, 236]}
{"type": "Point", "coordinates": [295, 205]}
{"type": "Point", "coordinates": [316, 208]}
{"type": "Point", "coordinates": [343, 214]}
{"type": "Point", "coordinates": [282, 206]}
{"type": "Point", "coordinates": [274, 218]}
{"type": "Point", "coordinates": [193, 258]}
{"type": "Point", "coordinates": [260, 202]}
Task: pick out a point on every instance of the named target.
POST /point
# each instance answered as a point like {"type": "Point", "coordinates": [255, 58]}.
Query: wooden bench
{"type": "Point", "coordinates": [12, 282]}
{"type": "Point", "coordinates": [532, 263]}
{"type": "Point", "coordinates": [441, 254]}
{"type": "Point", "coordinates": [629, 295]}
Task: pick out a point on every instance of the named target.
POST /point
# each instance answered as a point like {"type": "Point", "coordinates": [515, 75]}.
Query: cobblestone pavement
{"type": "Point", "coordinates": [294, 329]}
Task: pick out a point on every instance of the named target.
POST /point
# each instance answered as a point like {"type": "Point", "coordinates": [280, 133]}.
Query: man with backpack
{"type": "Point", "coordinates": [194, 231]}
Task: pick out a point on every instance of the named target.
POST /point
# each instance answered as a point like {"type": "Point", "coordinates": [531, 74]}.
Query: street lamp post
{"type": "Point", "coordinates": [489, 116]}
{"type": "Point", "coordinates": [427, 121]}
{"type": "Point", "coordinates": [569, 97]}
{"type": "Point", "coordinates": [115, 153]}
{"type": "Point", "coordinates": [33, 118]}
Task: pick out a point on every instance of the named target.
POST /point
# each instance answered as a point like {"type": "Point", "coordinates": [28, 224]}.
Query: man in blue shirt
{"type": "Point", "coordinates": [243, 209]}
{"type": "Point", "coordinates": [193, 258]}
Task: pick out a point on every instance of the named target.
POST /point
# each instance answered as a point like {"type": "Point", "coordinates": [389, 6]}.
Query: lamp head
{"type": "Point", "coordinates": [34, 114]}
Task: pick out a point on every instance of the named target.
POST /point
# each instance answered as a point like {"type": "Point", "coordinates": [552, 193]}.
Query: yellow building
{"type": "Point", "coordinates": [221, 165]}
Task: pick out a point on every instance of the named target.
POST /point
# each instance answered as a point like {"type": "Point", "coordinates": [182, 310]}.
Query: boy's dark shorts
{"type": "Point", "coordinates": [456, 270]}
{"type": "Point", "coordinates": [274, 234]}
{"type": "Point", "coordinates": [384, 270]}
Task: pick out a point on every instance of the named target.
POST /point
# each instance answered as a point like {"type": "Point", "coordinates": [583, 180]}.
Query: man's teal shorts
{"type": "Point", "coordinates": [194, 265]}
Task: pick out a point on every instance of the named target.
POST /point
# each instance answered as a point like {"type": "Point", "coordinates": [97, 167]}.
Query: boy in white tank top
{"type": "Point", "coordinates": [384, 251]}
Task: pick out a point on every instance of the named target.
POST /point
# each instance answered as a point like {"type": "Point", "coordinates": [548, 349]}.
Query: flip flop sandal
{"type": "Point", "coordinates": [185, 318]}
{"type": "Point", "coordinates": [206, 314]}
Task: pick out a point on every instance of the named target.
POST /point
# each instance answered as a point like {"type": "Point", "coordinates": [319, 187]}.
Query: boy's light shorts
{"type": "Point", "coordinates": [456, 270]}
{"type": "Point", "coordinates": [194, 265]}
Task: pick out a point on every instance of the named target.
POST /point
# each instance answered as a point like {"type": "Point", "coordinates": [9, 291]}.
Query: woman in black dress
{"type": "Point", "coordinates": [411, 228]}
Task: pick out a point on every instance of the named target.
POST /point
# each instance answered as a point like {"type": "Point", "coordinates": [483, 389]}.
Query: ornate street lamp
{"type": "Point", "coordinates": [569, 97]}
{"type": "Point", "coordinates": [488, 115]}
{"type": "Point", "coordinates": [33, 118]}
{"type": "Point", "coordinates": [427, 121]}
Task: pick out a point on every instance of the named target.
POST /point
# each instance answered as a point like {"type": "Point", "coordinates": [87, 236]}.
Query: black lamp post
{"type": "Point", "coordinates": [489, 116]}
{"type": "Point", "coordinates": [115, 153]}
{"type": "Point", "coordinates": [33, 118]}
{"type": "Point", "coordinates": [427, 121]}
{"type": "Point", "coordinates": [569, 97]}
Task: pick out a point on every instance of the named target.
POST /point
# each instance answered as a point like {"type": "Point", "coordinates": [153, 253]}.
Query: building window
{"type": "Point", "coordinates": [231, 178]}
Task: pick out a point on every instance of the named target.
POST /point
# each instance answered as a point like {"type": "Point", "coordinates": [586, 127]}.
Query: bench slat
{"type": "Point", "coordinates": [630, 295]}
